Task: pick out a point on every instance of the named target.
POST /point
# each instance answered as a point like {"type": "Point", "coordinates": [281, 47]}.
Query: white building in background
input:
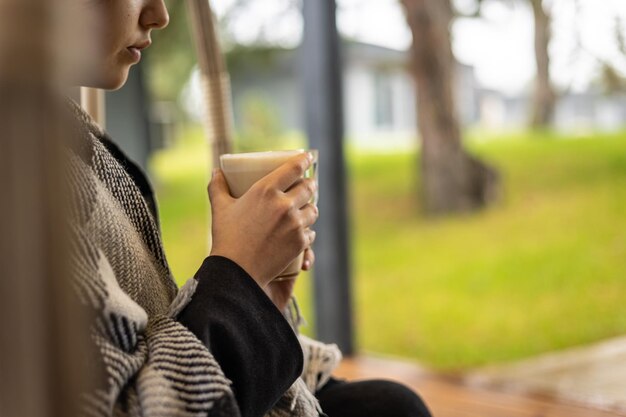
{"type": "Point", "coordinates": [378, 92]}
{"type": "Point", "coordinates": [379, 97]}
{"type": "Point", "coordinates": [574, 112]}
{"type": "Point", "coordinates": [591, 111]}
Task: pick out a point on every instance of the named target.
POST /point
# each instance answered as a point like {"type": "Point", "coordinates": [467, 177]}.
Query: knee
{"type": "Point", "coordinates": [400, 400]}
{"type": "Point", "coordinates": [374, 398]}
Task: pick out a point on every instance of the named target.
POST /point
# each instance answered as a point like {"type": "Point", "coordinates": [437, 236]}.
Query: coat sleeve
{"type": "Point", "coordinates": [141, 366]}
{"type": "Point", "coordinates": [251, 340]}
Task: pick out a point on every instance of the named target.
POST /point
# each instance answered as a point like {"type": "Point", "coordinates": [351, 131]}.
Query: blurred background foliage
{"type": "Point", "coordinates": [539, 270]}
{"type": "Point", "coordinates": [172, 56]}
{"type": "Point", "coordinates": [542, 270]}
{"type": "Point", "coordinates": [261, 129]}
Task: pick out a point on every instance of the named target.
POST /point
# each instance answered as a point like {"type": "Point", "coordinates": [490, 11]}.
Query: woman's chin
{"type": "Point", "coordinates": [111, 80]}
{"type": "Point", "coordinates": [116, 80]}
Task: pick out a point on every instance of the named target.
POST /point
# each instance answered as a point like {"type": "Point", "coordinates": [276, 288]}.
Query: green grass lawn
{"type": "Point", "coordinates": [543, 269]}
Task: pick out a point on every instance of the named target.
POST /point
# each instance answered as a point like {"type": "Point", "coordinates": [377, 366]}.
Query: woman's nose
{"type": "Point", "coordinates": [154, 15]}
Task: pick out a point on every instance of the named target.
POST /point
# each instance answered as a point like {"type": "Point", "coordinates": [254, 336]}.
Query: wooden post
{"type": "Point", "coordinates": [40, 348]}
{"type": "Point", "coordinates": [93, 100]}
{"type": "Point", "coordinates": [215, 79]}
{"type": "Point", "coordinates": [321, 69]}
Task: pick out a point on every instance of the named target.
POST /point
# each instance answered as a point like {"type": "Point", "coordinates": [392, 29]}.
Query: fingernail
{"type": "Point", "coordinates": [307, 264]}
{"type": "Point", "coordinates": [214, 173]}
{"type": "Point", "coordinates": [309, 155]}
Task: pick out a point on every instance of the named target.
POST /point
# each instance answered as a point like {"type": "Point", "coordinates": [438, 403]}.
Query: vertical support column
{"type": "Point", "coordinates": [93, 100]}
{"type": "Point", "coordinates": [215, 79]}
{"type": "Point", "coordinates": [321, 69]}
{"type": "Point", "coordinates": [41, 324]}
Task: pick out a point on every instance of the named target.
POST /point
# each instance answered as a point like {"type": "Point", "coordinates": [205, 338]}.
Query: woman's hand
{"type": "Point", "coordinates": [280, 292]}
{"type": "Point", "coordinates": [267, 227]}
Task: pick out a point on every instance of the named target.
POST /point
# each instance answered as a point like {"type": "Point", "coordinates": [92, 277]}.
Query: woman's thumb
{"type": "Point", "coordinates": [218, 188]}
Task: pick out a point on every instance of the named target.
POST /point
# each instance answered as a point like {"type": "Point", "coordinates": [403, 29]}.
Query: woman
{"type": "Point", "coordinates": [226, 343]}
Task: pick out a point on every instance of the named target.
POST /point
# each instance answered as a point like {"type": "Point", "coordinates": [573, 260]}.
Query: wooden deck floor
{"type": "Point", "coordinates": [592, 374]}
{"type": "Point", "coordinates": [448, 396]}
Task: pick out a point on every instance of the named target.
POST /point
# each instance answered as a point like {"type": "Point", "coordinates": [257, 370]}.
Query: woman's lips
{"type": "Point", "coordinates": [135, 53]}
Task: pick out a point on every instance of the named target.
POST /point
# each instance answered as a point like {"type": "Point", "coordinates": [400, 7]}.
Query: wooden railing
{"type": "Point", "coordinates": [40, 330]}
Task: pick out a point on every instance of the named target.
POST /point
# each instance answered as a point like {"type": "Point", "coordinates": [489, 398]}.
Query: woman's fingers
{"type": "Point", "coordinates": [309, 259]}
{"type": "Point", "coordinates": [218, 188]}
{"type": "Point", "coordinates": [302, 192]}
{"type": "Point", "coordinates": [309, 214]}
{"type": "Point", "coordinates": [288, 173]}
{"type": "Point", "coordinates": [309, 237]}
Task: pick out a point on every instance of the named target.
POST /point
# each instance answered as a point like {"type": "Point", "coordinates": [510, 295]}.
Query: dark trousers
{"type": "Point", "coordinates": [372, 398]}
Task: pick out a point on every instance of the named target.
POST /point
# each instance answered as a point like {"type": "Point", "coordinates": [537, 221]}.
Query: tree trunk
{"type": "Point", "coordinates": [453, 180]}
{"type": "Point", "coordinates": [544, 99]}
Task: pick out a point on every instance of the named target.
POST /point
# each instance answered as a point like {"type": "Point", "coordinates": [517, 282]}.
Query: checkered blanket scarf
{"type": "Point", "coordinates": [146, 363]}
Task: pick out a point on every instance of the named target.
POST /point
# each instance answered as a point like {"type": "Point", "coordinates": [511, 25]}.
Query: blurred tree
{"type": "Point", "coordinates": [261, 129]}
{"type": "Point", "coordinates": [453, 180]}
{"type": "Point", "coordinates": [545, 97]}
{"type": "Point", "coordinates": [611, 80]}
{"type": "Point", "coordinates": [620, 35]}
{"type": "Point", "coordinates": [172, 57]}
